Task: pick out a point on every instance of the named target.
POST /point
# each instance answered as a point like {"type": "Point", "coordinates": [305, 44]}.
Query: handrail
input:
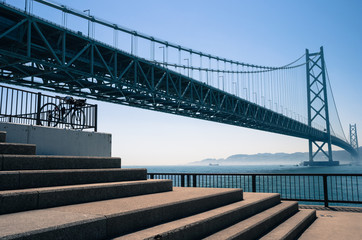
{"type": "Point", "coordinates": [26, 107]}
{"type": "Point", "coordinates": [340, 188]}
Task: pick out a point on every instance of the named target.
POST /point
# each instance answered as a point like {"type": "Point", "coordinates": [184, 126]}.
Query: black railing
{"type": "Point", "coordinates": [326, 188]}
{"type": "Point", "coordinates": [31, 108]}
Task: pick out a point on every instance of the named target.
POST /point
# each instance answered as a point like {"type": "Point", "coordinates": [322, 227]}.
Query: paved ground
{"type": "Point", "coordinates": [335, 223]}
{"type": "Point", "coordinates": [334, 209]}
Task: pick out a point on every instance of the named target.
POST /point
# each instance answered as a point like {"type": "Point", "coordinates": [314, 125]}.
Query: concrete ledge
{"type": "Point", "coordinates": [17, 148]}
{"type": "Point", "coordinates": [46, 178]}
{"type": "Point", "coordinates": [55, 141]}
{"type": "Point", "coordinates": [40, 162]}
{"type": "Point", "coordinates": [37, 198]}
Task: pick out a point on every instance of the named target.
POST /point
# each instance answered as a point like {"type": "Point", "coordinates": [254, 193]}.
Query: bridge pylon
{"type": "Point", "coordinates": [353, 139]}
{"type": "Point", "coordinates": [318, 108]}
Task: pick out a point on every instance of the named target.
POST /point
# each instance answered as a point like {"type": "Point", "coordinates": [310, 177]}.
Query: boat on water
{"type": "Point", "coordinates": [213, 164]}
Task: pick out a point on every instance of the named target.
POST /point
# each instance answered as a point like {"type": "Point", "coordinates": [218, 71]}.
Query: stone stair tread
{"type": "Point", "coordinates": [17, 148]}
{"type": "Point", "coordinates": [36, 222]}
{"type": "Point", "coordinates": [11, 162]}
{"type": "Point", "coordinates": [38, 198]}
{"type": "Point", "coordinates": [21, 179]}
{"type": "Point", "coordinates": [293, 226]}
{"type": "Point", "coordinates": [78, 186]}
{"type": "Point", "coordinates": [247, 227]}
{"type": "Point", "coordinates": [71, 170]}
{"type": "Point", "coordinates": [2, 136]}
{"type": "Point", "coordinates": [56, 156]}
{"type": "Point", "coordinates": [173, 230]}
{"type": "Point", "coordinates": [16, 144]}
{"type": "Point", "coordinates": [111, 216]}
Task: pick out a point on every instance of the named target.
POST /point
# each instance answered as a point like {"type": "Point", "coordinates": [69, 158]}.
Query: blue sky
{"type": "Point", "coordinates": [270, 33]}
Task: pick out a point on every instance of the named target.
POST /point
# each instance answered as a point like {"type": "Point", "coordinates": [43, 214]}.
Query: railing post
{"type": "Point", "coordinates": [253, 182]}
{"type": "Point", "coordinates": [189, 180]}
{"type": "Point", "coordinates": [38, 109]}
{"type": "Point", "coordinates": [194, 180]}
{"type": "Point", "coordinates": [325, 190]}
{"type": "Point", "coordinates": [182, 180]}
{"type": "Point", "coordinates": [152, 176]}
{"type": "Point", "coordinates": [95, 117]}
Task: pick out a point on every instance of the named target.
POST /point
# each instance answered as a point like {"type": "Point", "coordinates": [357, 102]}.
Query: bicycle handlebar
{"type": "Point", "coordinates": [71, 100]}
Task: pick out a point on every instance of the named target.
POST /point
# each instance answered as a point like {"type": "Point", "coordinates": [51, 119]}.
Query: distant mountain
{"type": "Point", "coordinates": [274, 159]}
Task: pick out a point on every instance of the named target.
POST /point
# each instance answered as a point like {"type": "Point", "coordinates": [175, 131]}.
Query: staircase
{"type": "Point", "coordinates": [57, 197]}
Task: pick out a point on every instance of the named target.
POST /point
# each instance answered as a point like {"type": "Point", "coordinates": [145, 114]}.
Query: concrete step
{"type": "Point", "coordinates": [109, 218]}
{"type": "Point", "coordinates": [17, 148]}
{"type": "Point", "coordinates": [2, 136]}
{"type": "Point", "coordinates": [43, 162]}
{"type": "Point", "coordinates": [293, 227]}
{"type": "Point", "coordinates": [38, 198]}
{"type": "Point", "coordinates": [257, 225]}
{"type": "Point", "coordinates": [203, 224]}
{"type": "Point", "coordinates": [46, 178]}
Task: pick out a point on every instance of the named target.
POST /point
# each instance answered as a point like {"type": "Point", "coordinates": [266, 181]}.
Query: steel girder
{"type": "Point", "coordinates": [38, 54]}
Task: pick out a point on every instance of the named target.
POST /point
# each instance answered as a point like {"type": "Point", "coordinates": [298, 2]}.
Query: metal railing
{"type": "Point", "coordinates": [326, 188]}
{"type": "Point", "coordinates": [31, 108]}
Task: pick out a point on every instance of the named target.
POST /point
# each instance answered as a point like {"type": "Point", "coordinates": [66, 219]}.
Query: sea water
{"type": "Point", "coordinates": [348, 169]}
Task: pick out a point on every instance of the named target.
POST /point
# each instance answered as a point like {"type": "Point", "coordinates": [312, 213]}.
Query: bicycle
{"type": "Point", "coordinates": [69, 108]}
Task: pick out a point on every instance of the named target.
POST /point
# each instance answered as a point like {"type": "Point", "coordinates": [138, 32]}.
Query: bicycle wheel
{"type": "Point", "coordinates": [49, 115]}
{"type": "Point", "coordinates": [78, 119]}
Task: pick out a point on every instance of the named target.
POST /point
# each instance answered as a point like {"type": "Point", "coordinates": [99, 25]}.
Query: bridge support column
{"type": "Point", "coordinates": [353, 140]}
{"type": "Point", "coordinates": [318, 113]}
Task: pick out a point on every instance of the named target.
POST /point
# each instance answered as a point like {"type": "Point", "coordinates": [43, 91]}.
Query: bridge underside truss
{"type": "Point", "coordinates": [38, 54]}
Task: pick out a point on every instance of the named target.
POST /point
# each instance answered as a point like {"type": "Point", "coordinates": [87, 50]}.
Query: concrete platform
{"type": "Point", "coordinates": [57, 141]}
{"type": "Point", "coordinates": [335, 225]}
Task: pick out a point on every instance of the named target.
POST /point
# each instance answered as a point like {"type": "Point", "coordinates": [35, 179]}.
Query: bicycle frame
{"type": "Point", "coordinates": [66, 112]}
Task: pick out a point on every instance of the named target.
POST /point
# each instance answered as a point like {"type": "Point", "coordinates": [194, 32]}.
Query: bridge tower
{"type": "Point", "coordinates": [318, 107]}
{"type": "Point", "coordinates": [353, 136]}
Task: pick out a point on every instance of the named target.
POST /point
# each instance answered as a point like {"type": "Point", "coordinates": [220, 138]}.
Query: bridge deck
{"type": "Point", "coordinates": [39, 54]}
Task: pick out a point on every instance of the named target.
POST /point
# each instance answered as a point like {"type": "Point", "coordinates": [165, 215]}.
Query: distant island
{"type": "Point", "coordinates": [274, 159]}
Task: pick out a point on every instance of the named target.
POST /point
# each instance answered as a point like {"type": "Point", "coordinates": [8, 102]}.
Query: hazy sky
{"type": "Point", "coordinates": [270, 33]}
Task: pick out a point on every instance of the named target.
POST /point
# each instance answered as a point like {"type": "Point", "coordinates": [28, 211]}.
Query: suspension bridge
{"type": "Point", "coordinates": [135, 69]}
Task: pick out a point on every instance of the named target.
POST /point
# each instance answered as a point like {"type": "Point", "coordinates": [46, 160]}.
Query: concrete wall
{"type": "Point", "coordinates": [54, 141]}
